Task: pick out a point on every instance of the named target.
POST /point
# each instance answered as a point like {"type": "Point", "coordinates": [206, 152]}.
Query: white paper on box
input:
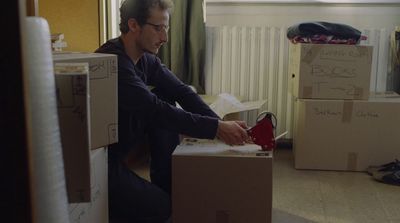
{"type": "Point", "coordinates": [227, 104]}
{"type": "Point", "coordinates": [192, 146]}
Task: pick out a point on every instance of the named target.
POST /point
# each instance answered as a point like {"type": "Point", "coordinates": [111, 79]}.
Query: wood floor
{"type": "Point", "coordinates": [330, 196]}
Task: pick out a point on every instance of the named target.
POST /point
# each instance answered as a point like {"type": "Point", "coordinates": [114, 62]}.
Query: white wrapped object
{"type": "Point", "coordinates": [49, 198]}
{"type": "Point", "coordinates": [57, 41]}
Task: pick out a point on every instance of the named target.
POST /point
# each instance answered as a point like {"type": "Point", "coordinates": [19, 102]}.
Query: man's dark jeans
{"type": "Point", "coordinates": [134, 199]}
{"type": "Point", "coordinates": [161, 149]}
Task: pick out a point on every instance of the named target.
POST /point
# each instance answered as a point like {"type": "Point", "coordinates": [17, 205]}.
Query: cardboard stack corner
{"type": "Point", "coordinates": [346, 134]}
{"type": "Point", "coordinates": [103, 94]}
{"type": "Point", "coordinates": [213, 182]}
{"type": "Point", "coordinates": [85, 168]}
{"type": "Point", "coordinates": [330, 71]}
{"type": "Point", "coordinates": [338, 123]}
{"type": "Point", "coordinates": [87, 110]}
{"type": "Point", "coordinates": [96, 210]}
{"type": "Point", "coordinates": [72, 84]}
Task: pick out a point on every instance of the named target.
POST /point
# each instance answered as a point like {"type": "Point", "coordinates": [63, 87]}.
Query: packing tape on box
{"type": "Point", "coordinates": [48, 190]}
{"type": "Point", "coordinates": [311, 53]}
{"type": "Point", "coordinates": [352, 161]}
{"type": "Point", "coordinates": [363, 51]}
{"type": "Point", "coordinates": [347, 112]}
{"type": "Point", "coordinates": [358, 92]}
{"type": "Point", "coordinates": [307, 92]}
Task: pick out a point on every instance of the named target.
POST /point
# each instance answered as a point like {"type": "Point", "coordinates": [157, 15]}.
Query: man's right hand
{"type": "Point", "coordinates": [232, 132]}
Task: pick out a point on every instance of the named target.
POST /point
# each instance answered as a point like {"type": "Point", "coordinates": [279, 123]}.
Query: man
{"type": "Point", "coordinates": [150, 116]}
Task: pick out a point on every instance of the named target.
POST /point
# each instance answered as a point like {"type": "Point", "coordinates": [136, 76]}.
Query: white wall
{"type": "Point", "coordinates": [360, 16]}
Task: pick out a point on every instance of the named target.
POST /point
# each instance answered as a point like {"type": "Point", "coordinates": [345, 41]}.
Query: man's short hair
{"type": "Point", "coordinates": [140, 11]}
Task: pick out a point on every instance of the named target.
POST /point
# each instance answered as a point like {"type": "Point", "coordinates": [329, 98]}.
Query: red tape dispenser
{"type": "Point", "coordinates": [262, 133]}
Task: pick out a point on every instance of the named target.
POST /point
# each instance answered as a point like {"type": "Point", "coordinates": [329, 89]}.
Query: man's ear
{"type": "Point", "coordinates": [133, 25]}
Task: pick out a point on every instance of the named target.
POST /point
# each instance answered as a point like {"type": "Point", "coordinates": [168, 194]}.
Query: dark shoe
{"type": "Point", "coordinates": [389, 177]}
{"type": "Point", "coordinates": [392, 166]}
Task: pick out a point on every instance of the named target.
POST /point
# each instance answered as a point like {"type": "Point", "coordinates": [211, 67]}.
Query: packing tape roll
{"type": "Point", "coordinates": [48, 190]}
{"type": "Point", "coordinates": [347, 111]}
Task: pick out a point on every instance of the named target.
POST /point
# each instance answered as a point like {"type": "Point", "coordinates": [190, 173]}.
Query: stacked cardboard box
{"type": "Point", "coordinates": [97, 209]}
{"type": "Point", "coordinates": [338, 124]}
{"type": "Point", "coordinates": [215, 182]}
{"type": "Point", "coordinates": [346, 134]}
{"type": "Point", "coordinates": [87, 108]}
{"type": "Point", "coordinates": [72, 84]}
{"type": "Point", "coordinates": [103, 94]}
{"type": "Point", "coordinates": [330, 71]}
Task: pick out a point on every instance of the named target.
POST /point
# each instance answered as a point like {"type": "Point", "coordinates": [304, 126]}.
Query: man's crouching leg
{"type": "Point", "coordinates": [133, 199]}
{"type": "Point", "coordinates": [162, 145]}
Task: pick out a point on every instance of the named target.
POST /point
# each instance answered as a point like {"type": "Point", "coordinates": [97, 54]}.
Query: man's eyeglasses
{"type": "Point", "coordinates": [159, 28]}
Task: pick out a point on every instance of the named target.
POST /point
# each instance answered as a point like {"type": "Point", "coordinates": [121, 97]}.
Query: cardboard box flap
{"type": "Point", "coordinates": [73, 98]}
{"type": "Point", "coordinates": [227, 104]}
{"type": "Point", "coordinates": [66, 55]}
{"type": "Point", "coordinates": [103, 91]}
{"type": "Point", "coordinates": [71, 68]}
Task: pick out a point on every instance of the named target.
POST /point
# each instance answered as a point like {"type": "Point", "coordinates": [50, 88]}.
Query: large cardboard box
{"type": "Point", "coordinates": [72, 83]}
{"type": "Point", "coordinates": [103, 94]}
{"type": "Point", "coordinates": [330, 71]}
{"type": "Point", "coordinates": [215, 183]}
{"type": "Point", "coordinates": [97, 209]}
{"type": "Point", "coordinates": [346, 134]}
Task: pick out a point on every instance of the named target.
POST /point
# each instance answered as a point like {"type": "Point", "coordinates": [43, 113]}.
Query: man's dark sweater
{"type": "Point", "coordinates": [139, 109]}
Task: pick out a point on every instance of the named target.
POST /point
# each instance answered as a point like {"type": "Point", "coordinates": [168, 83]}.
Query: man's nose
{"type": "Point", "coordinates": [164, 35]}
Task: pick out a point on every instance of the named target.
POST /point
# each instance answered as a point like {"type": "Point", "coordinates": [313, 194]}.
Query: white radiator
{"type": "Point", "coordinates": [252, 63]}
